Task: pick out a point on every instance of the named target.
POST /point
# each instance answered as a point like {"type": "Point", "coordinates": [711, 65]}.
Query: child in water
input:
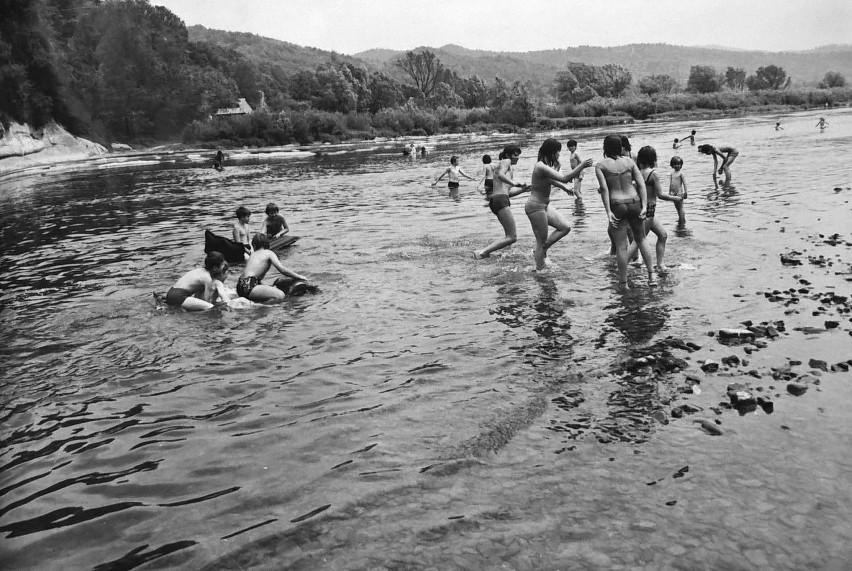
{"type": "Point", "coordinates": [778, 126]}
{"type": "Point", "coordinates": [197, 289]}
{"type": "Point", "coordinates": [676, 144]}
{"type": "Point", "coordinates": [488, 174]}
{"type": "Point", "coordinates": [242, 232]}
{"type": "Point", "coordinates": [574, 161]}
{"type": "Point", "coordinates": [249, 286]}
{"type": "Point", "coordinates": [821, 123]}
{"type": "Point", "coordinates": [677, 187]}
{"type": "Point", "coordinates": [454, 170]}
{"type": "Point", "coordinates": [274, 225]}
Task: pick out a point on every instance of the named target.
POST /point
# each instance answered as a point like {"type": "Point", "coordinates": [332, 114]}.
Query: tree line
{"type": "Point", "coordinates": [126, 70]}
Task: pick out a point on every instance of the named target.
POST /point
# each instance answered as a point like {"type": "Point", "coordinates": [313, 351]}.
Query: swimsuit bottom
{"type": "Point", "coordinates": [534, 206]}
{"type": "Point", "coordinates": [498, 202]}
{"type": "Point", "coordinates": [625, 208]}
{"type": "Point", "coordinates": [452, 185]}
{"type": "Point", "coordinates": [489, 184]}
{"type": "Point", "coordinates": [176, 296]}
{"type": "Point", "coordinates": [245, 284]}
{"type": "Point", "coordinates": [676, 191]}
{"type": "Point", "coordinates": [652, 208]}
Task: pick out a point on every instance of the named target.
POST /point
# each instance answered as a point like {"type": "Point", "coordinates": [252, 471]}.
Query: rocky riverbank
{"type": "Point", "coordinates": [23, 148]}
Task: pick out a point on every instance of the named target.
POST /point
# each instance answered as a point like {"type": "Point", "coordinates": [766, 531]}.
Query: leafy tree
{"type": "Point", "coordinates": [613, 79]}
{"type": "Point", "coordinates": [832, 79]}
{"type": "Point", "coordinates": [768, 77]}
{"type": "Point", "coordinates": [565, 84]}
{"type": "Point", "coordinates": [424, 68]}
{"type": "Point", "coordinates": [735, 78]}
{"type": "Point", "coordinates": [658, 83]}
{"type": "Point", "coordinates": [443, 94]}
{"type": "Point", "coordinates": [512, 104]}
{"type": "Point", "coordinates": [704, 79]}
{"type": "Point", "coordinates": [385, 92]}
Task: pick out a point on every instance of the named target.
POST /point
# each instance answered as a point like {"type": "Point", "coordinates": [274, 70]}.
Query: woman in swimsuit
{"type": "Point", "coordinates": [625, 205]}
{"type": "Point", "coordinates": [727, 154]}
{"type": "Point", "coordinates": [499, 201]}
{"type": "Point", "coordinates": [647, 161]}
{"type": "Point", "coordinates": [546, 172]}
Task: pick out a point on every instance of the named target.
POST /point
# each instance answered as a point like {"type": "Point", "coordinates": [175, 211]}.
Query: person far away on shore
{"type": "Point", "coordinates": [198, 289]}
{"type": "Point", "coordinates": [677, 187]}
{"type": "Point", "coordinates": [546, 173]}
{"type": "Point", "coordinates": [261, 259]}
{"type": "Point", "coordinates": [727, 154]}
{"type": "Point", "coordinates": [505, 187]}
{"type": "Point", "coordinates": [274, 225]}
{"type": "Point", "coordinates": [646, 160]}
{"type": "Point", "coordinates": [454, 170]}
{"type": "Point", "coordinates": [242, 232]}
{"type": "Point", "coordinates": [625, 204]}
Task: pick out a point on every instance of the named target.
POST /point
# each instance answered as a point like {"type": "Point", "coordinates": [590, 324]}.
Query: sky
{"type": "Point", "coordinates": [352, 26]}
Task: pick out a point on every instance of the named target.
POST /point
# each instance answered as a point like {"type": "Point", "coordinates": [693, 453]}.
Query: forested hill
{"type": "Point", "coordinates": [540, 67]}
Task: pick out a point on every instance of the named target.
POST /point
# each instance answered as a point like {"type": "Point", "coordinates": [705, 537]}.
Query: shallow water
{"type": "Point", "coordinates": [426, 410]}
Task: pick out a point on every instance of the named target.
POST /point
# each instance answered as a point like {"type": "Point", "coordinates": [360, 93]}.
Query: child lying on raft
{"type": "Point", "coordinates": [261, 259]}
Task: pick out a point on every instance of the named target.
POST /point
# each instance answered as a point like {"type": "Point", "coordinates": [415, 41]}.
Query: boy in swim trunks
{"type": "Point", "coordinates": [488, 173]}
{"type": "Point", "coordinates": [261, 259]}
{"type": "Point", "coordinates": [242, 232]}
{"type": "Point", "coordinates": [677, 187]}
{"type": "Point", "coordinates": [274, 225]}
{"type": "Point", "coordinates": [198, 289]}
{"type": "Point", "coordinates": [454, 170]}
{"type": "Point", "coordinates": [574, 161]}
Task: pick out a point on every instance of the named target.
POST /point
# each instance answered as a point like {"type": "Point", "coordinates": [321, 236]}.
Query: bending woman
{"type": "Point", "coordinates": [625, 206]}
{"type": "Point", "coordinates": [545, 173]}
{"type": "Point", "coordinates": [727, 154]}
{"type": "Point", "coordinates": [499, 203]}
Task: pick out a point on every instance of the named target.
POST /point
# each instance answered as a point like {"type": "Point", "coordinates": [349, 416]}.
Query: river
{"type": "Point", "coordinates": [426, 410]}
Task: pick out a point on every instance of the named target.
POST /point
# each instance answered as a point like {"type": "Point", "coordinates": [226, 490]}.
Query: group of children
{"type": "Point", "coordinates": [629, 187]}
{"type": "Point", "coordinates": [201, 288]}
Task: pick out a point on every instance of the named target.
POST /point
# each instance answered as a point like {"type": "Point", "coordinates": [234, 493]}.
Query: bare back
{"type": "Point", "coordinates": [618, 174]}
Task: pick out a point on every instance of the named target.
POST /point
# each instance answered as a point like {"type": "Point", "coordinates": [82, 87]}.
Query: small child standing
{"type": "Point", "coordinates": [454, 170]}
{"type": "Point", "coordinates": [242, 232]}
{"type": "Point", "coordinates": [574, 161]}
{"type": "Point", "coordinates": [677, 187]}
{"type": "Point", "coordinates": [488, 173]}
{"type": "Point", "coordinates": [274, 225]}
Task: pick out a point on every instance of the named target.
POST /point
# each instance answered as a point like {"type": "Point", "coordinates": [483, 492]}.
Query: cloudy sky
{"type": "Point", "coordinates": [351, 26]}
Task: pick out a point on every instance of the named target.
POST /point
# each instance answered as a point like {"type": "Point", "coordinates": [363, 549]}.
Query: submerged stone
{"type": "Point", "coordinates": [796, 389]}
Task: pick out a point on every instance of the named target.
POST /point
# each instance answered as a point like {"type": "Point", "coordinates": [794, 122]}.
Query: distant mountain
{"type": "Point", "coordinates": [540, 67]}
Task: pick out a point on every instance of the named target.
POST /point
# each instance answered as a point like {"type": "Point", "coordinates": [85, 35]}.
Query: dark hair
{"type": "Point", "coordinates": [612, 146]}
{"type": "Point", "coordinates": [676, 160]}
{"type": "Point", "coordinates": [571, 143]}
{"type": "Point", "coordinates": [509, 150]}
{"type": "Point", "coordinates": [625, 143]}
{"type": "Point", "coordinates": [260, 242]}
{"type": "Point", "coordinates": [243, 211]}
{"type": "Point", "coordinates": [271, 208]}
{"type": "Point", "coordinates": [706, 149]}
{"type": "Point", "coordinates": [454, 159]}
{"type": "Point", "coordinates": [693, 132]}
{"type": "Point", "coordinates": [486, 159]}
{"type": "Point", "coordinates": [547, 152]}
{"type": "Point", "coordinates": [676, 139]}
{"type": "Point", "coordinates": [647, 156]}
{"type": "Point", "coordinates": [213, 260]}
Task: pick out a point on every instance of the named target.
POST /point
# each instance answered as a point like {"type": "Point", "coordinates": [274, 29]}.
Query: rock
{"type": "Point", "coordinates": [731, 361]}
{"type": "Point", "coordinates": [766, 404]}
{"type": "Point", "coordinates": [729, 333]}
{"type": "Point", "coordinates": [832, 324]}
{"type": "Point", "coordinates": [710, 366]}
{"type": "Point", "coordinates": [121, 147]}
{"type": "Point", "coordinates": [710, 428]}
{"type": "Point", "coordinates": [818, 364]}
{"type": "Point", "coordinates": [660, 417]}
{"type": "Point", "coordinates": [796, 389]}
{"type": "Point", "coordinates": [791, 259]}
{"type": "Point", "coordinates": [841, 366]}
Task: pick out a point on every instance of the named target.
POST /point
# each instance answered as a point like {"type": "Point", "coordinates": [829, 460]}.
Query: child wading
{"type": "Point", "coordinates": [454, 170]}
{"type": "Point", "coordinates": [677, 187]}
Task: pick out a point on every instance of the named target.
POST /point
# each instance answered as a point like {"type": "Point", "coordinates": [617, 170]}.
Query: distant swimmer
{"type": "Point", "coordinates": [261, 259]}
{"type": "Point", "coordinates": [454, 170]}
{"type": "Point", "coordinates": [676, 144]}
{"type": "Point", "coordinates": [822, 124]}
{"type": "Point", "coordinates": [677, 187]}
{"type": "Point", "coordinates": [778, 126]}
{"type": "Point", "coordinates": [198, 289]}
{"type": "Point", "coordinates": [691, 137]}
{"type": "Point", "coordinates": [727, 154]}
{"type": "Point", "coordinates": [546, 173]}
{"type": "Point", "coordinates": [274, 225]}
{"type": "Point", "coordinates": [625, 200]}
{"type": "Point", "coordinates": [219, 161]}
{"type": "Point", "coordinates": [499, 204]}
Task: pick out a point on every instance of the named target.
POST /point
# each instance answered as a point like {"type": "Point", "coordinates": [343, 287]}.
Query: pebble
{"type": "Point", "coordinates": [796, 389]}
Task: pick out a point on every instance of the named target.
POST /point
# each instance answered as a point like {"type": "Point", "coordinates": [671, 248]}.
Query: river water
{"type": "Point", "coordinates": [425, 410]}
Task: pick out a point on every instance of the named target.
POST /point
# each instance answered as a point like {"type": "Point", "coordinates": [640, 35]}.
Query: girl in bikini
{"type": "Point", "coordinates": [546, 173]}
{"type": "Point", "coordinates": [625, 205]}
{"type": "Point", "coordinates": [504, 188]}
{"type": "Point", "coordinates": [647, 162]}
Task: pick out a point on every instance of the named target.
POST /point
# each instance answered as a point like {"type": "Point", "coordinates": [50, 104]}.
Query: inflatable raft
{"type": "Point", "coordinates": [235, 252]}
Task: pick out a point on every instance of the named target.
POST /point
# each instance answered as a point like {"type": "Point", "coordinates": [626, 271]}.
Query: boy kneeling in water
{"type": "Point", "coordinates": [198, 289]}
{"type": "Point", "coordinates": [249, 286]}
